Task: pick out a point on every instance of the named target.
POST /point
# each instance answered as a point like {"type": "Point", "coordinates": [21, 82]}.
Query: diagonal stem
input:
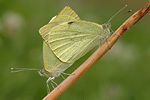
{"type": "Point", "coordinates": [69, 81]}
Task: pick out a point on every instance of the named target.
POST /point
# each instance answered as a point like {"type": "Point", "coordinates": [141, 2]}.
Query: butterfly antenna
{"type": "Point", "coordinates": [14, 70]}
{"type": "Point", "coordinates": [118, 12]}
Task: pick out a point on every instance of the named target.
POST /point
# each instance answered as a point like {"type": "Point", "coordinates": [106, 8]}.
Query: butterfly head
{"type": "Point", "coordinates": [44, 72]}
{"type": "Point", "coordinates": [106, 25]}
{"type": "Point", "coordinates": [105, 32]}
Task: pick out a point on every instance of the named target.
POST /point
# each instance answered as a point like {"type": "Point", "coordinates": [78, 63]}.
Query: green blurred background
{"type": "Point", "coordinates": [122, 74]}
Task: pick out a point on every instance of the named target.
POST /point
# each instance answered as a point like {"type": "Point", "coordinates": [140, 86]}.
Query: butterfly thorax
{"type": "Point", "coordinates": [106, 31]}
{"type": "Point", "coordinates": [43, 72]}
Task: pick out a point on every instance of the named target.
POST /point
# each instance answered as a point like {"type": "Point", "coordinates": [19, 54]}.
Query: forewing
{"type": "Point", "coordinates": [51, 63]}
{"type": "Point", "coordinates": [67, 14]}
{"type": "Point", "coordinates": [71, 40]}
{"type": "Point", "coordinates": [44, 31]}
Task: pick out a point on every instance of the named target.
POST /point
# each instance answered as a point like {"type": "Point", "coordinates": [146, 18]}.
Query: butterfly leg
{"type": "Point", "coordinates": [56, 85]}
{"type": "Point", "coordinates": [115, 33]}
{"type": "Point", "coordinates": [118, 35]}
{"type": "Point", "coordinates": [52, 85]}
{"type": "Point", "coordinates": [100, 43]}
{"type": "Point", "coordinates": [108, 45]}
{"type": "Point", "coordinates": [62, 76]}
{"type": "Point", "coordinates": [65, 73]}
{"type": "Point", "coordinates": [48, 89]}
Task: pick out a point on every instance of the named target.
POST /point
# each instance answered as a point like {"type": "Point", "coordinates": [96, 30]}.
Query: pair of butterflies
{"type": "Point", "coordinates": [66, 39]}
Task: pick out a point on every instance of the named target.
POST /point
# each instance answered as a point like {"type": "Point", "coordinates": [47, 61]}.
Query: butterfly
{"type": "Point", "coordinates": [70, 38]}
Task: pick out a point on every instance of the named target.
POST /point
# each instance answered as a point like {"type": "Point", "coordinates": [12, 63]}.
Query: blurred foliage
{"type": "Point", "coordinates": [122, 74]}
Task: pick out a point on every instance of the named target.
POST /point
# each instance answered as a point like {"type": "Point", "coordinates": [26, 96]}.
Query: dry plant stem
{"type": "Point", "coordinates": [68, 82]}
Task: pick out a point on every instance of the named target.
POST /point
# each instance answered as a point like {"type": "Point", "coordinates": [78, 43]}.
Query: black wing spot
{"type": "Point", "coordinates": [70, 22]}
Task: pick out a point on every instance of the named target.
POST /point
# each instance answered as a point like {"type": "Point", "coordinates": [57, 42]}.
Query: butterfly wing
{"type": "Point", "coordinates": [67, 14]}
{"type": "Point", "coordinates": [71, 40]}
{"type": "Point", "coordinates": [52, 64]}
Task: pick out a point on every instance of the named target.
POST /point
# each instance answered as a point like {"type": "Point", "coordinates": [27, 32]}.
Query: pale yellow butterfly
{"type": "Point", "coordinates": [53, 67]}
{"type": "Point", "coordinates": [72, 38]}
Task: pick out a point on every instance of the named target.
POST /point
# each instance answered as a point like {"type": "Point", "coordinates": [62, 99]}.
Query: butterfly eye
{"type": "Point", "coordinates": [108, 24]}
{"type": "Point", "coordinates": [104, 26]}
